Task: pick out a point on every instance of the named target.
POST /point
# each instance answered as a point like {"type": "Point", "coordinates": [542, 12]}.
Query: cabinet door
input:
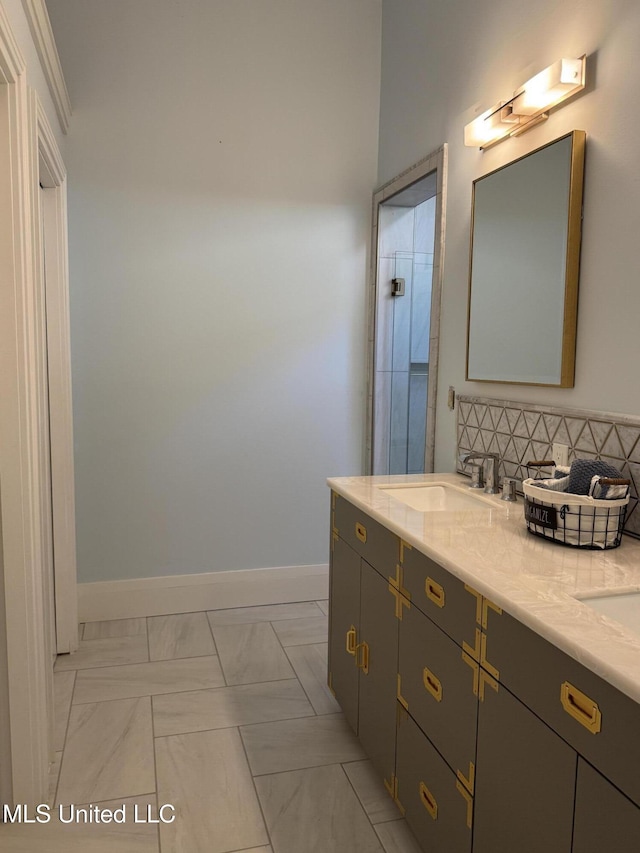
{"type": "Point", "coordinates": [525, 780]}
{"type": "Point", "coordinates": [605, 819]}
{"type": "Point", "coordinates": [378, 679]}
{"type": "Point", "coordinates": [345, 620]}
{"type": "Point", "coordinates": [590, 714]}
{"type": "Point", "coordinates": [437, 807]}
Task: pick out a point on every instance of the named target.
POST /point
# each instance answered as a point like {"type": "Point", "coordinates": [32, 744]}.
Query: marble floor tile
{"type": "Point", "coordinates": [199, 710]}
{"type": "Point", "coordinates": [206, 777]}
{"type": "Point", "coordinates": [263, 613]}
{"type": "Point", "coordinates": [250, 653]}
{"type": "Point", "coordinates": [58, 837]}
{"type": "Point", "coordinates": [147, 679]}
{"type": "Point", "coordinates": [396, 837]}
{"type": "Point", "coordinates": [54, 775]}
{"type": "Point", "coordinates": [255, 850]}
{"type": "Point", "coordinates": [371, 792]}
{"type": "Point", "coordinates": [114, 628]}
{"type": "Point", "coordinates": [294, 744]}
{"type": "Point", "coordinates": [62, 691]}
{"type": "Point", "coordinates": [296, 632]}
{"type": "Point", "coordinates": [315, 811]}
{"type": "Point", "coordinates": [110, 651]}
{"type": "Point", "coordinates": [310, 665]}
{"type": "Point", "coordinates": [182, 635]}
{"type": "Point", "coordinates": [108, 753]}
{"type": "Point", "coordinates": [324, 606]}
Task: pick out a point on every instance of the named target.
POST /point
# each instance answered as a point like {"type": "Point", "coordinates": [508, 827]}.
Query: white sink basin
{"type": "Point", "coordinates": [624, 608]}
{"type": "Point", "coordinates": [438, 497]}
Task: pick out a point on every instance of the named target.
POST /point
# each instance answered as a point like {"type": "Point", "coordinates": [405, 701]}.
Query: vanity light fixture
{"type": "Point", "coordinates": [528, 105]}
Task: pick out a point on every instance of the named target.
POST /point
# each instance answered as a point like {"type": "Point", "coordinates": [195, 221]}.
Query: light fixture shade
{"type": "Point", "coordinates": [492, 125]}
{"type": "Point", "coordinates": [551, 86]}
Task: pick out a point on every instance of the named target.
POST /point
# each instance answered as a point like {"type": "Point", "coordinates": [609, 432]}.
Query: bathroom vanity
{"type": "Point", "coordinates": [500, 710]}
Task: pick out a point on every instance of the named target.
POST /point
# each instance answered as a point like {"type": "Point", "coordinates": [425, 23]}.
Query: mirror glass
{"type": "Point", "coordinates": [525, 255]}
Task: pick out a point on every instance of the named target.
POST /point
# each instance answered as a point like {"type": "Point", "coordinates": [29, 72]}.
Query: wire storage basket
{"type": "Point", "coordinates": [579, 521]}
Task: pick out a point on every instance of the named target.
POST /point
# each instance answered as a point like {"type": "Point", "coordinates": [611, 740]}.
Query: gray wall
{"type": "Point", "coordinates": [443, 63]}
{"type": "Point", "coordinates": [221, 160]}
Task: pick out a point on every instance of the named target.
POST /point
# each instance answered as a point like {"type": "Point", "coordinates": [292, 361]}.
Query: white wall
{"type": "Point", "coordinates": [443, 63]}
{"type": "Point", "coordinates": [221, 158]}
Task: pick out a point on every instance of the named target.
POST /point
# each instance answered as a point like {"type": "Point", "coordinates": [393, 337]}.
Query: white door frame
{"type": "Point", "coordinates": [434, 162]}
{"type": "Point", "coordinates": [28, 661]}
{"type": "Point", "coordinates": [52, 175]}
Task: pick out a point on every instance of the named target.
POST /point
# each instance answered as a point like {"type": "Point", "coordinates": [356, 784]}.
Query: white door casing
{"type": "Point", "coordinates": [55, 287]}
{"type": "Point", "coordinates": [435, 162]}
{"type": "Point", "coordinates": [22, 455]}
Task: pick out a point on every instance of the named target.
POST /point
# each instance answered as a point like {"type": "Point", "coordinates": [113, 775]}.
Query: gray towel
{"type": "Point", "coordinates": [584, 470]}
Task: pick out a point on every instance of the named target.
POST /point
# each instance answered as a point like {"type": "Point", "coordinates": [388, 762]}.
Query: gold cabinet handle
{"type": "Point", "coordinates": [579, 706]}
{"type": "Point", "coordinates": [428, 801]}
{"type": "Point", "coordinates": [432, 684]}
{"type": "Point", "coordinates": [351, 640]}
{"type": "Point", "coordinates": [361, 532]}
{"type": "Point", "coordinates": [362, 660]}
{"type": "Point", "coordinates": [434, 591]}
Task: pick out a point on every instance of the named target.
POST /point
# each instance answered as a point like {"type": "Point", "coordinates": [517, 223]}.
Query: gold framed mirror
{"type": "Point", "coordinates": [524, 267]}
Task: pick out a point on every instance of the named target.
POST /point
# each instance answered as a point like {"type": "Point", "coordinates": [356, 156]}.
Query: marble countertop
{"type": "Point", "coordinates": [534, 580]}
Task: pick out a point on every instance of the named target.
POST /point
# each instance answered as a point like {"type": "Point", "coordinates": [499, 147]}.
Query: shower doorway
{"type": "Point", "coordinates": [404, 318]}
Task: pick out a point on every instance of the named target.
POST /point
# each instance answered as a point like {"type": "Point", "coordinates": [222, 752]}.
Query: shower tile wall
{"type": "Point", "coordinates": [402, 338]}
{"type": "Point", "coordinates": [519, 432]}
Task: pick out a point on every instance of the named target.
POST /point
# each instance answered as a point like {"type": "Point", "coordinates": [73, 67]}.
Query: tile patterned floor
{"type": "Point", "coordinates": [227, 716]}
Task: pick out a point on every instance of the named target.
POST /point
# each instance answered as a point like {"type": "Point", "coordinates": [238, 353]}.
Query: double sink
{"type": "Point", "coordinates": [624, 607]}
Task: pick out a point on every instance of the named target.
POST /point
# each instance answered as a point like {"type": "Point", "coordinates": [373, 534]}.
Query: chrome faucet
{"type": "Point", "coordinates": [491, 487]}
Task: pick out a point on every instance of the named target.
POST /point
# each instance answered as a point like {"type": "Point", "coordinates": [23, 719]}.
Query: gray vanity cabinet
{"type": "Point", "coordinates": [605, 820]}
{"type": "Point", "coordinates": [488, 737]}
{"type": "Point", "coordinates": [525, 778]}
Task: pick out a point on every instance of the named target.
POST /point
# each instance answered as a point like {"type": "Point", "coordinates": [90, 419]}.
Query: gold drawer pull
{"type": "Point", "coordinates": [361, 532]}
{"type": "Point", "coordinates": [432, 684]}
{"type": "Point", "coordinates": [428, 801]}
{"type": "Point", "coordinates": [434, 592]}
{"type": "Point", "coordinates": [579, 706]}
{"type": "Point", "coordinates": [362, 661]}
{"type": "Point", "coordinates": [351, 640]}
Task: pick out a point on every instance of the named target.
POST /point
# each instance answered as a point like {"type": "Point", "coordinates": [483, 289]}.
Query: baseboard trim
{"type": "Point", "coordinates": [159, 596]}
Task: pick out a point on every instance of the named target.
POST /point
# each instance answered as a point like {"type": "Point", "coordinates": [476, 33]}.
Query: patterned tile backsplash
{"type": "Point", "coordinates": [520, 432]}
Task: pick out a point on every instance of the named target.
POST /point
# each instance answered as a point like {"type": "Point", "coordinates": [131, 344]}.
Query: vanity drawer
{"type": "Point", "coordinates": [437, 807]}
{"type": "Point", "coordinates": [442, 597]}
{"type": "Point", "coordinates": [377, 545]}
{"type": "Point", "coordinates": [439, 687]}
{"type": "Point", "coordinates": [599, 721]}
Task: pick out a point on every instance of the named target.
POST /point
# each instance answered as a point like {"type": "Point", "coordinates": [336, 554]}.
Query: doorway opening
{"type": "Point", "coordinates": [408, 239]}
